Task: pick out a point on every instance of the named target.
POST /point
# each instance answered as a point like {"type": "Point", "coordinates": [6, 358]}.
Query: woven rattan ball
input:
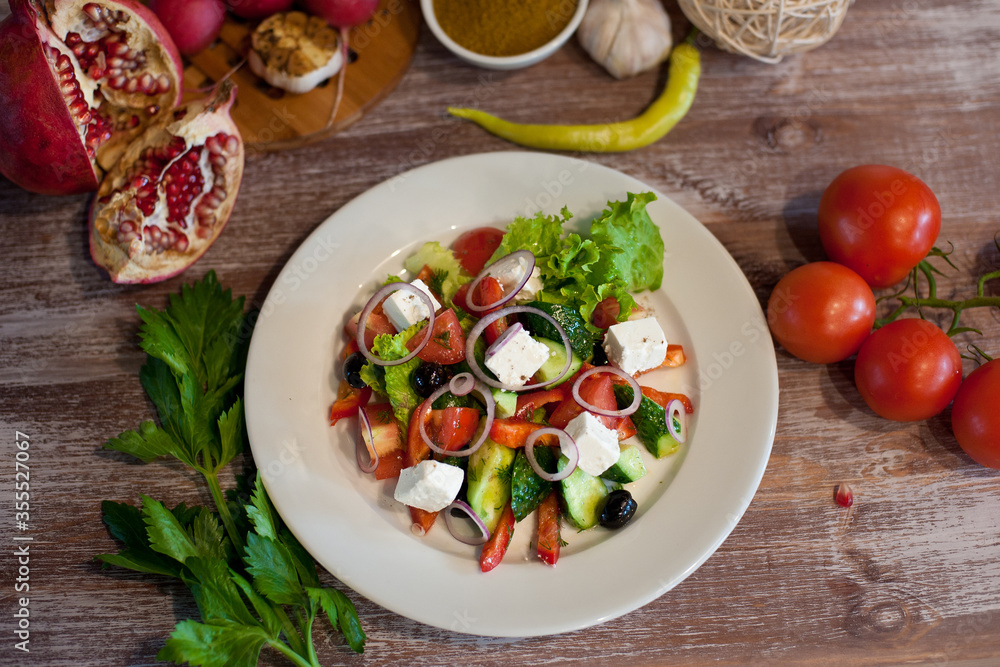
{"type": "Point", "coordinates": [767, 29]}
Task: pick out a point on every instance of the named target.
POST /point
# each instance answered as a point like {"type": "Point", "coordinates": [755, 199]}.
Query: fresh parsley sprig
{"type": "Point", "coordinates": [249, 576]}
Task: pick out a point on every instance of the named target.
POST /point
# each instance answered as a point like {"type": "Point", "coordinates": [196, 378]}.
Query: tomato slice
{"type": "Point", "coordinates": [494, 550]}
{"type": "Point", "coordinates": [447, 343]}
{"type": "Point", "coordinates": [598, 390]}
{"type": "Point", "coordinates": [457, 426]}
{"type": "Point", "coordinates": [489, 290]}
{"type": "Point", "coordinates": [514, 432]}
{"type": "Point", "coordinates": [549, 539]}
{"type": "Point", "coordinates": [475, 247]}
{"type": "Point", "coordinates": [606, 313]}
{"type": "Point", "coordinates": [348, 401]}
{"type": "Point", "coordinates": [387, 440]}
{"type": "Point", "coordinates": [378, 323]}
{"type": "Point", "coordinates": [661, 398]}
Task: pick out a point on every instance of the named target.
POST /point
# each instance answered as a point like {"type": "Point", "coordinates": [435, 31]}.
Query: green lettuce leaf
{"type": "Point", "coordinates": [448, 275]}
{"type": "Point", "coordinates": [631, 245]}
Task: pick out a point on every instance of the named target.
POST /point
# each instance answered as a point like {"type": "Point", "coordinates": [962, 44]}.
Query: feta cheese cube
{"type": "Point", "coordinates": [516, 356]}
{"type": "Point", "coordinates": [597, 444]}
{"type": "Point", "coordinates": [531, 288]}
{"type": "Point", "coordinates": [430, 485]}
{"type": "Point", "coordinates": [636, 345]}
{"type": "Point", "coordinates": [404, 308]}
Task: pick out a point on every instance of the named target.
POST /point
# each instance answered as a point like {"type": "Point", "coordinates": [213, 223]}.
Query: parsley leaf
{"type": "Point", "coordinates": [247, 573]}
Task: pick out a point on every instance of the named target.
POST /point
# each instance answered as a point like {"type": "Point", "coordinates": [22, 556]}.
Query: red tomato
{"type": "Point", "coordinates": [908, 370]}
{"type": "Point", "coordinates": [821, 312]}
{"type": "Point", "coordinates": [606, 313]}
{"type": "Point", "coordinates": [457, 426]}
{"type": "Point", "coordinates": [494, 550]}
{"type": "Point", "coordinates": [880, 221]}
{"type": "Point", "coordinates": [975, 415]}
{"type": "Point", "coordinates": [489, 290]}
{"type": "Point", "coordinates": [548, 529]}
{"type": "Point", "coordinates": [475, 247]}
{"type": "Point", "coordinates": [387, 440]}
{"type": "Point", "coordinates": [447, 343]}
{"type": "Point", "coordinates": [348, 401]}
{"type": "Point", "coordinates": [378, 323]}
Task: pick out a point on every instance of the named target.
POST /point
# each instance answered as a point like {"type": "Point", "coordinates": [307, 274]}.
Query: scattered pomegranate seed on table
{"type": "Point", "coordinates": [843, 495]}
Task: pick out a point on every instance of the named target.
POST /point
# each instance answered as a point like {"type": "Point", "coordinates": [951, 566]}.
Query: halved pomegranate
{"type": "Point", "coordinates": [79, 79]}
{"type": "Point", "coordinates": [170, 194]}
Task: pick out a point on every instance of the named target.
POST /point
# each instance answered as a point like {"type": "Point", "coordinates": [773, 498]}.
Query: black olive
{"type": "Point", "coordinates": [429, 377]}
{"type": "Point", "coordinates": [619, 509]}
{"type": "Point", "coordinates": [352, 369]}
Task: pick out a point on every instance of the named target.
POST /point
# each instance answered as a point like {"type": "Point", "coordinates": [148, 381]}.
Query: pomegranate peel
{"type": "Point", "coordinates": [79, 79]}
{"type": "Point", "coordinates": [171, 193]}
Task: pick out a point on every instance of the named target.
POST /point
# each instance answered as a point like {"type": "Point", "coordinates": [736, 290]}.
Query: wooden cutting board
{"type": "Point", "coordinates": [271, 119]}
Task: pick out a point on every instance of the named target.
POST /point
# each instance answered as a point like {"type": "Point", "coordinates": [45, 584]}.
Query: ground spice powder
{"type": "Point", "coordinates": [503, 27]}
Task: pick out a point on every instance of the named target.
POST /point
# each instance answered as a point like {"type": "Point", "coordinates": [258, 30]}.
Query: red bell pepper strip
{"type": "Point", "coordinates": [513, 432]}
{"type": "Point", "coordinates": [549, 539]}
{"type": "Point", "coordinates": [349, 400]}
{"type": "Point", "coordinates": [662, 398]}
{"type": "Point", "coordinates": [494, 550]}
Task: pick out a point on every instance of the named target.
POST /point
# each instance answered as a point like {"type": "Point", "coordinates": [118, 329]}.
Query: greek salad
{"type": "Point", "coordinates": [504, 379]}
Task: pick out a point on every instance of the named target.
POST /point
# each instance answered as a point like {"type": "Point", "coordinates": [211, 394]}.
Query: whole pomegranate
{"type": "Point", "coordinates": [170, 195]}
{"type": "Point", "coordinates": [193, 24]}
{"type": "Point", "coordinates": [79, 80]}
{"type": "Point", "coordinates": [258, 9]}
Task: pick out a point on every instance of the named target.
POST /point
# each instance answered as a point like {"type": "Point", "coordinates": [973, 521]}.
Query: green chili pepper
{"type": "Point", "coordinates": [650, 126]}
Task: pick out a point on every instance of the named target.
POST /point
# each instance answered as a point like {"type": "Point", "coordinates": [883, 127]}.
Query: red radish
{"type": "Point", "coordinates": [342, 14]}
{"type": "Point", "coordinates": [78, 81]}
{"type": "Point", "coordinates": [193, 24]}
{"type": "Point", "coordinates": [170, 195]}
{"type": "Point", "coordinates": [258, 9]}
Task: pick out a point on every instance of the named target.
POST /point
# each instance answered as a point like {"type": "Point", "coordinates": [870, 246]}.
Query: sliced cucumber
{"type": "Point", "coordinates": [489, 477]}
{"type": "Point", "coordinates": [650, 423]}
{"type": "Point", "coordinates": [629, 467]}
{"type": "Point", "coordinates": [581, 339]}
{"type": "Point", "coordinates": [506, 403]}
{"type": "Point", "coordinates": [583, 497]}
{"type": "Point", "coordinates": [556, 362]}
{"type": "Point", "coordinates": [528, 489]}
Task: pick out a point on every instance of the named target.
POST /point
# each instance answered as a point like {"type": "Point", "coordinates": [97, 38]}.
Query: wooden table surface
{"type": "Point", "coordinates": [909, 574]}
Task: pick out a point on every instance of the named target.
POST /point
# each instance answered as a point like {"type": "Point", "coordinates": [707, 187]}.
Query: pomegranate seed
{"type": "Point", "coordinates": [843, 495]}
{"type": "Point", "coordinates": [93, 11]}
{"type": "Point", "coordinates": [72, 38]}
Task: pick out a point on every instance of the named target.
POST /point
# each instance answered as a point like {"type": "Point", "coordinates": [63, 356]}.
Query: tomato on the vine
{"type": "Point", "coordinates": [475, 247]}
{"type": "Point", "coordinates": [821, 312]}
{"type": "Point", "coordinates": [908, 370]}
{"type": "Point", "coordinates": [880, 221]}
{"type": "Point", "coordinates": [975, 416]}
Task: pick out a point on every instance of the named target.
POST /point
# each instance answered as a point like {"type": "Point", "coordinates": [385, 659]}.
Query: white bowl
{"type": "Point", "coordinates": [503, 62]}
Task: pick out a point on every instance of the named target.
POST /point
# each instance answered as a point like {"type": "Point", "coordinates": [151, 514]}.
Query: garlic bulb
{"type": "Point", "coordinates": [626, 36]}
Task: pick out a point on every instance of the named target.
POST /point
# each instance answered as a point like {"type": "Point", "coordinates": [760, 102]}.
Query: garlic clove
{"type": "Point", "coordinates": [626, 37]}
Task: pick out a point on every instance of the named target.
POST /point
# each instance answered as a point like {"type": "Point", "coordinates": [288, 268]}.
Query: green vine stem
{"type": "Point", "coordinates": [931, 300]}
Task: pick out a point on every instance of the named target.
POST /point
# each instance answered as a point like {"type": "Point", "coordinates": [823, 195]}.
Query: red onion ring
{"type": "Point", "coordinates": [566, 445]}
{"type": "Point", "coordinates": [376, 299]}
{"type": "Point", "coordinates": [477, 331]}
{"type": "Point", "coordinates": [484, 532]}
{"type": "Point", "coordinates": [365, 426]}
{"type": "Point", "coordinates": [625, 412]}
{"type": "Point", "coordinates": [676, 407]}
{"type": "Point", "coordinates": [491, 271]}
{"type": "Point", "coordinates": [459, 382]}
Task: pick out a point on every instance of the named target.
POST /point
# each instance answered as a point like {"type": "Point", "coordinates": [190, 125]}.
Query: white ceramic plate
{"type": "Point", "coordinates": [688, 502]}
